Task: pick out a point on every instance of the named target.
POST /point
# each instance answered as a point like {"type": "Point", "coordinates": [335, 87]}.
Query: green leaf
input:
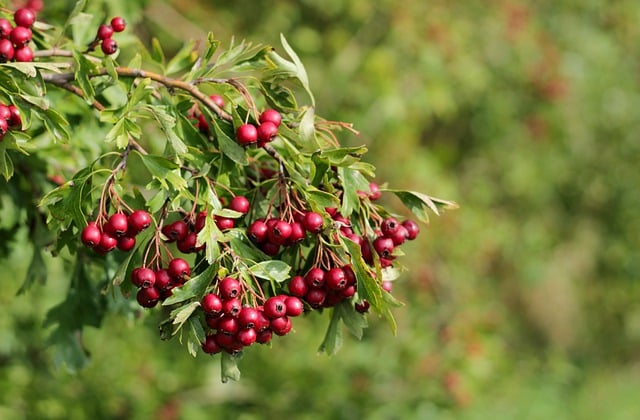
{"type": "Point", "coordinates": [321, 199]}
{"type": "Point", "coordinates": [183, 59]}
{"type": "Point", "coordinates": [83, 68]}
{"type": "Point", "coordinates": [156, 51]}
{"type": "Point", "coordinates": [37, 272]}
{"type": "Point", "coordinates": [244, 248]}
{"type": "Point", "coordinates": [355, 322]}
{"type": "Point", "coordinates": [182, 314]}
{"type": "Point", "coordinates": [229, 147]}
{"type": "Point", "coordinates": [6, 164]}
{"type": "Point", "coordinates": [352, 181]}
{"type": "Point", "coordinates": [301, 72]}
{"type": "Point", "coordinates": [343, 156]}
{"type": "Point", "coordinates": [229, 367]}
{"type": "Point", "coordinates": [164, 171]}
{"type": "Point", "coordinates": [167, 124]}
{"type": "Point", "coordinates": [419, 203]}
{"type": "Point", "coordinates": [209, 237]}
{"type": "Point", "coordinates": [333, 337]}
{"type": "Point", "coordinates": [193, 288]}
{"type": "Point", "coordinates": [273, 270]}
{"type": "Point", "coordinates": [307, 130]}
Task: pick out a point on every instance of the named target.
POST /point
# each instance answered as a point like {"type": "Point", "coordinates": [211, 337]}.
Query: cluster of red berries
{"type": "Point", "coordinates": [234, 326]}
{"type": "Point", "coordinates": [185, 233]}
{"type": "Point", "coordinates": [155, 286]}
{"type": "Point", "coordinates": [119, 231]}
{"type": "Point", "coordinates": [105, 33]}
{"type": "Point", "coordinates": [9, 119]}
{"type": "Point", "coordinates": [324, 288]}
{"type": "Point", "coordinates": [262, 134]}
{"type": "Point", "coordinates": [14, 41]}
{"type": "Point", "coordinates": [272, 233]}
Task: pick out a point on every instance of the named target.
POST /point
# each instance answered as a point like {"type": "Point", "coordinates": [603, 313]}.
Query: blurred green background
{"type": "Point", "coordinates": [524, 303]}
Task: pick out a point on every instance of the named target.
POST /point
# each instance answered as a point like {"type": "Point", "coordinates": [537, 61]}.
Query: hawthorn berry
{"type": "Point", "coordinates": [274, 307]}
{"type": "Point", "coordinates": [247, 336]}
{"type": "Point", "coordinates": [267, 131]}
{"type": "Point", "coordinates": [24, 17]}
{"type": "Point", "coordinates": [210, 346]}
{"type": "Point", "coordinates": [399, 236]}
{"type": "Point", "coordinates": [298, 286]}
{"type": "Point", "coordinates": [23, 54]}
{"type": "Point", "coordinates": [232, 307]}
{"type": "Point", "coordinates": [5, 28]}
{"type": "Point", "coordinates": [279, 232]}
{"type": "Point", "coordinates": [107, 243]}
{"type": "Point", "coordinates": [104, 32]}
{"type": "Point", "coordinates": [163, 280]}
{"type": "Point", "coordinates": [281, 325]}
{"type": "Point", "coordinates": [148, 297]}
{"type": "Point", "coordinates": [229, 288]}
{"type": "Point", "coordinates": [228, 325]}
{"type": "Point", "coordinates": [383, 246]}
{"type": "Point", "coordinates": [20, 36]}
{"type": "Point", "coordinates": [126, 243]}
{"type": "Point", "coordinates": [374, 191]}
{"type": "Point", "coordinates": [270, 248]}
{"type": "Point", "coordinates": [118, 24]}
{"type": "Point", "coordinates": [224, 223]}
{"type": "Point", "coordinates": [315, 297]}
{"type": "Point", "coordinates": [264, 336]}
{"type": "Point", "coordinates": [297, 234]}
{"type": "Point", "coordinates": [117, 225]}
{"type": "Point", "coordinates": [294, 306]}
{"type": "Point", "coordinates": [218, 100]}
{"type": "Point", "coordinates": [35, 5]}
{"type": "Point", "coordinates": [389, 226]}
{"type": "Point", "coordinates": [312, 222]}
{"type": "Point", "coordinates": [138, 221]}
{"type": "Point", "coordinates": [15, 120]}
{"type": "Point", "coordinates": [109, 46]}
{"type": "Point", "coordinates": [387, 286]}
{"type": "Point", "coordinates": [348, 291]}
{"type": "Point", "coordinates": [247, 134]}
{"type": "Point", "coordinates": [335, 279]}
{"type": "Point", "coordinates": [91, 235]}
{"type": "Point", "coordinates": [272, 116]}
{"type": "Point", "coordinates": [240, 204]}
{"type": "Point", "coordinates": [179, 269]}
{"type": "Point", "coordinates": [211, 303]}
{"type": "Point", "coordinates": [315, 277]}
{"type": "Point", "coordinates": [175, 231]}
{"type": "Point", "coordinates": [412, 229]}
{"type": "Point", "coordinates": [257, 231]}
{"type": "Point", "coordinates": [6, 50]}
{"type": "Point", "coordinates": [248, 317]}
{"type": "Point", "coordinates": [143, 277]}
{"type": "Point", "coordinates": [188, 244]}
{"type": "Point", "coordinates": [362, 307]}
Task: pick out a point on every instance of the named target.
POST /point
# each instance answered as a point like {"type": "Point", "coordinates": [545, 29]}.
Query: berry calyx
{"type": "Point", "coordinates": [5, 28]}
{"type": "Point", "coordinates": [247, 134]}
{"type": "Point", "coordinates": [229, 288]}
{"type": "Point", "coordinates": [275, 307]}
{"type": "Point", "coordinates": [175, 231]}
{"type": "Point", "coordinates": [383, 246]}
{"type": "Point", "coordinates": [126, 243]}
{"type": "Point", "coordinates": [335, 279]}
{"type": "Point", "coordinates": [118, 24]}
{"type": "Point", "coordinates": [389, 226]}
{"type": "Point", "coordinates": [257, 231]}
{"type": "Point", "coordinates": [315, 277]}
{"type": "Point", "coordinates": [248, 317]}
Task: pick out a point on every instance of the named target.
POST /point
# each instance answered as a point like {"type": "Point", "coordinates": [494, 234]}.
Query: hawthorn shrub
{"type": "Point", "coordinates": [202, 185]}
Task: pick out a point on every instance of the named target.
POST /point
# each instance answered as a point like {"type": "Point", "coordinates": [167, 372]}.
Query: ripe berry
{"type": "Point", "coordinates": [5, 114]}
{"type": "Point", "coordinates": [4, 127]}
{"type": "Point", "coordinates": [348, 291]}
{"type": "Point", "coordinates": [138, 221]}
{"type": "Point", "coordinates": [20, 36]}
{"type": "Point", "coordinates": [275, 307]}
{"type": "Point", "coordinates": [270, 248]}
{"type": "Point", "coordinates": [264, 336]}
{"type": "Point", "coordinates": [148, 297]}
{"type": "Point", "coordinates": [5, 28]}
{"type": "Point", "coordinates": [389, 226]}
{"type": "Point", "coordinates": [272, 116]}
{"type": "Point", "coordinates": [109, 46]}
{"type": "Point", "coordinates": [257, 232]}
{"type": "Point", "coordinates": [210, 346]}
{"type": "Point", "coordinates": [118, 24]}
{"type": "Point", "coordinates": [143, 277]}
{"type": "Point", "coordinates": [91, 235]}
{"type": "Point", "coordinates": [224, 223]}
{"type": "Point", "coordinates": [35, 5]}
{"type": "Point", "coordinates": [399, 236]}
{"type": "Point", "coordinates": [163, 280]}
{"type": "Point", "coordinates": [107, 243]}
{"type": "Point", "coordinates": [279, 232]}
{"type": "Point", "coordinates": [232, 307]}
{"type": "Point", "coordinates": [126, 243]}
{"type": "Point", "coordinates": [175, 231]}
{"type": "Point", "coordinates": [211, 303]}
{"type": "Point", "coordinates": [374, 191]}
{"type": "Point", "coordinates": [6, 50]}
{"type": "Point", "coordinates": [201, 219]}
{"type": "Point", "coordinates": [335, 279]}
{"type": "Point", "coordinates": [267, 131]}
{"type": "Point", "coordinates": [229, 288]}
{"type": "Point", "coordinates": [179, 269]}
{"type": "Point", "coordinates": [294, 306]}
{"type": "Point", "coordinates": [105, 32]}
{"type": "Point", "coordinates": [24, 17]}
{"type": "Point", "coordinates": [298, 286]}
{"type": "Point", "coordinates": [247, 336]}
{"type": "Point", "coordinates": [188, 243]}
{"type": "Point", "coordinates": [412, 228]}
{"type": "Point", "coordinates": [228, 325]}
{"type": "Point", "coordinates": [332, 299]}
{"type": "Point", "coordinates": [281, 326]}
{"type": "Point", "coordinates": [212, 320]}
{"type": "Point", "coordinates": [23, 54]}
{"type": "Point", "coordinates": [362, 307]}
{"type": "Point", "coordinates": [240, 204]}
{"type": "Point", "coordinates": [247, 134]}
{"type": "Point", "coordinates": [383, 246]}
{"type": "Point", "coordinates": [218, 100]}
{"type": "Point", "coordinates": [117, 224]}
{"type": "Point", "coordinates": [15, 120]}
{"type": "Point", "coordinates": [248, 317]}
{"type": "Point", "coordinates": [297, 233]}
{"type": "Point", "coordinates": [312, 222]}
{"type": "Point", "coordinates": [315, 277]}
{"type": "Point", "coordinates": [315, 297]}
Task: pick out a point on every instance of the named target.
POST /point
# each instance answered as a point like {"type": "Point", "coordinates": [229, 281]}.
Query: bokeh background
{"type": "Point", "coordinates": [524, 303]}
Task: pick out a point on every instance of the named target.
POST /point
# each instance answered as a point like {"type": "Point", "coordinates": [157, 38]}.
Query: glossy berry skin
{"type": "Point", "coordinates": [15, 120]}
{"type": "Point", "coordinates": [267, 131]}
{"type": "Point", "coordinates": [109, 46]}
{"type": "Point", "coordinates": [257, 231]}
{"type": "Point", "coordinates": [229, 288]}
{"type": "Point", "coordinates": [389, 226]}
{"type": "Point", "coordinates": [228, 325]}
{"type": "Point", "coordinates": [383, 246]}
{"type": "Point", "coordinates": [91, 235]}
{"type": "Point", "coordinates": [117, 225]}
{"type": "Point", "coordinates": [126, 243]}
{"type": "Point", "coordinates": [35, 5]}
{"type": "Point", "coordinates": [20, 36]}
{"type": "Point", "coordinates": [348, 291]}
{"type": "Point", "coordinates": [6, 50]}
{"type": "Point", "coordinates": [138, 221]}
{"type": "Point", "coordinates": [247, 134]}
{"type": "Point", "coordinates": [179, 269]}
{"type": "Point", "coordinates": [274, 307]}
{"type": "Point", "coordinates": [5, 28]}
{"type": "Point", "coordinates": [279, 232]}
{"type": "Point", "coordinates": [224, 223]}
{"type": "Point", "coordinates": [143, 277]}
{"type": "Point", "coordinates": [210, 346]}
{"type": "Point", "coordinates": [247, 336]}
{"type": "Point", "coordinates": [362, 307]}
{"type": "Point", "coordinates": [105, 32]}
{"type": "Point", "coordinates": [315, 277]}
{"type": "Point", "coordinates": [374, 191]}
{"type": "Point", "coordinates": [272, 116]}
{"type": "Point", "coordinates": [387, 286]}
{"type": "Point", "coordinates": [107, 243]}
{"type": "Point", "coordinates": [163, 280]}
{"type": "Point", "coordinates": [232, 307]}
{"type": "Point", "coordinates": [335, 279]}
{"type": "Point", "coordinates": [294, 306]}
{"type": "Point", "coordinates": [118, 24]}
{"type": "Point", "coordinates": [4, 127]}
{"type": "Point", "coordinates": [24, 17]}
{"type": "Point", "coordinates": [281, 326]}
{"type": "Point", "coordinates": [23, 54]}
{"type": "Point", "coordinates": [248, 317]}
{"type": "Point", "coordinates": [188, 244]}
{"type": "Point", "coordinates": [264, 336]}
{"type": "Point", "coordinates": [211, 303]}
{"type": "Point", "coordinates": [298, 286]}
{"type": "Point", "coordinates": [270, 248]}
{"type": "Point", "coordinates": [297, 235]}
{"type": "Point", "coordinates": [5, 114]}
{"type": "Point", "coordinates": [312, 222]}
{"type": "Point", "coordinates": [412, 229]}
{"type": "Point", "coordinates": [399, 236]}
{"type": "Point", "coordinates": [148, 297]}
{"type": "Point", "coordinates": [240, 204]}
{"type": "Point", "coordinates": [175, 231]}
{"type": "Point", "coordinates": [315, 297]}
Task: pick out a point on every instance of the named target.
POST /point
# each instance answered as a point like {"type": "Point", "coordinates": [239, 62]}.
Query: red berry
{"type": "Point", "coordinates": [294, 306]}
{"type": "Point", "coordinates": [148, 297]}
{"type": "Point", "coordinates": [138, 221]}
{"type": "Point", "coordinates": [262, 323]}
{"type": "Point", "coordinates": [229, 288]}
{"type": "Point", "coordinates": [247, 336]}
{"type": "Point", "coordinates": [362, 307]}
{"type": "Point", "coordinates": [270, 248]}
{"type": "Point", "coordinates": [281, 326]}
{"type": "Point", "coordinates": [298, 286]}
{"type": "Point", "coordinates": [118, 24]}
{"type": "Point", "coordinates": [163, 280]}
{"type": "Point", "coordinates": [212, 320]}
{"type": "Point", "coordinates": [107, 243]}
{"type": "Point", "coordinates": [386, 262]}
{"type": "Point", "coordinates": [143, 277]}
{"type": "Point", "coordinates": [179, 269]}
{"type": "Point", "coordinates": [315, 277]}
{"type": "Point", "coordinates": [267, 131]}
{"type": "Point", "coordinates": [109, 46]}
{"type": "Point", "coordinates": [105, 32]}
{"type": "Point", "coordinates": [399, 236]}
{"type": "Point", "coordinates": [20, 36]}
{"type": "Point", "coordinates": [349, 275]}
{"type": "Point", "coordinates": [332, 299]}
{"type": "Point", "coordinates": [218, 100]}
{"type": "Point", "coordinates": [374, 191]}
{"type": "Point", "coordinates": [389, 226]}
{"type": "Point", "coordinates": [412, 229]}
{"type": "Point", "coordinates": [247, 134]}
{"type": "Point", "coordinates": [6, 50]}
{"type": "Point", "coordinates": [335, 279]}
{"type": "Point", "coordinates": [24, 17]}
{"type": "Point", "coordinates": [203, 124]}
{"type": "Point", "coordinates": [248, 317]}
{"type": "Point", "coordinates": [15, 120]}
{"type": "Point", "coordinates": [201, 219]}
{"type": "Point", "coordinates": [117, 224]}
{"type": "Point", "coordinates": [240, 204]}
{"type": "Point", "coordinates": [210, 346]}
{"type": "Point", "coordinates": [23, 54]}
{"type": "Point", "coordinates": [188, 244]}
{"type": "Point", "coordinates": [275, 307]}
{"type": "Point", "coordinates": [315, 297]}
{"type": "Point", "coordinates": [297, 233]}
{"type": "Point", "coordinates": [348, 291]}
{"type": "Point", "coordinates": [5, 28]}
{"type": "Point", "coordinates": [312, 222]}
{"type": "Point", "coordinates": [126, 243]}
{"type": "Point", "coordinates": [383, 246]}
{"type": "Point", "coordinates": [35, 5]}
{"type": "Point", "coordinates": [228, 325]}
{"type": "Point", "coordinates": [211, 303]}
{"type": "Point", "coordinates": [279, 232]}
{"type": "Point", "coordinates": [365, 248]}
{"type": "Point", "coordinates": [91, 235]}
{"type": "Point", "coordinates": [175, 231]}
{"type": "Point", "coordinates": [232, 307]}
{"type": "Point", "coordinates": [257, 232]}
{"type": "Point", "coordinates": [264, 336]}
{"type": "Point", "coordinates": [272, 116]}
{"type": "Point", "coordinates": [224, 223]}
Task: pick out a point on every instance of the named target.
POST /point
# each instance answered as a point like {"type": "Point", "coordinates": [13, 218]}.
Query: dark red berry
{"type": "Point", "coordinates": [389, 226]}
{"type": "Point", "coordinates": [210, 346]}
{"type": "Point", "coordinates": [247, 336]}
{"type": "Point", "coordinates": [35, 5]}
{"type": "Point", "coordinates": [212, 320]}
{"type": "Point", "coordinates": [349, 275]}
{"type": "Point", "coordinates": [224, 223]}
{"type": "Point", "coordinates": [297, 233]}
{"type": "Point", "coordinates": [15, 120]}
{"type": "Point", "coordinates": [367, 255]}
{"type": "Point", "coordinates": [211, 303]}
{"type": "Point", "coordinates": [117, 224]}
{"type": "Point", "coordinates": [412, 229]}
{"type": "Point", "coordinates": [109, 46]}
{"type": "Point", "coordinates": [6, 50]}
{"type": "Point", "coordinates": [383, 246]}
{"type": "Point", "coordinates": [240, 204]}
{"type": "Point", "coordinates": [294, 306]}
{"type": "Point", "coordinates": [163, 280]}
{"type": "Point", "coordinates": [248, 317]}
{"type": "Point", "coordinates": [272, 116]}
{"type": "Point", "coordinates": [126, 243]}
{"type": "Point", "coordinates": [335, 279]}
{"type": "Point", "coordinates": [179, 269]}
{"type": "Point", "coordinates": [348, 291]}
{"type": "Point", "coordinates": [332, 299]}
{"type": "Point", "coordinates": [374, 191]}
{"type": "Point", "coordinates": [264, 336]}
{"type": "Point", "coordinates": [176, 231]}
{"type": "Point", "coordinates": [91, 235]}
{"type": "Point", "coordinates": [118, 24]}
{"type": "Point", "coordinates": [229, 288]}
{"type": "Point", "coordinates": [298, 286]}
{"type": "Point", "coordinates": [105, 32]}
{"type": "Point", "coordinates": [20, 36]}
{"type": "Point", "coordinates": [279, 232]}
{"type": "Point", "coordinates": [312, 222]}
{"type": "Point", "coordinates": [262, 323]}
{"type": "Point", "coordinates": [257, 232]}
{"type": "Point", "coordinates": [107, 243]}
{"type": "Point", "coordinates": [201, 219]}
{"type": "Point", "coordinates": [270, 248]}
{"type": "Point", "coordinates": [274, 307]}
{"type": "Point", "coordinates": [24, 17]}
{"type": "Point", "coordinates": [231, 307]}
{"type": "Point", "coordinates": [148, 297]}
{"type": "Point", "coordinates": [281, 325]}
{"type": "Point", "coordinates": [23, 54]}
{"type": "Point", "coordinates": [247, 134]}
{"type": "Point", "coordinates": [218, 100]}
{"type": "Point", "coordinates": [143, 277]}
{"type": "Point", "coordinates": [362, 307]}
{"type": "Point", "coordinates": [315, 297]}
{"type": "Point", "coordinates": [399, 236]}
{"type": "Point", "coordinates": [315, 277]}
{"type": "Point", "coordinates": [5, 28]}
{"type": "Point", "coordinates": [138, 221]}
{"type": "Point", "coordinates": [228, 325]}
{"type": "Point", "coordinates": [203, 124]}
{"type": "Point", "coordinates": [188, 244]}
{"type": "Point", "coordinates": [267, 131]}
